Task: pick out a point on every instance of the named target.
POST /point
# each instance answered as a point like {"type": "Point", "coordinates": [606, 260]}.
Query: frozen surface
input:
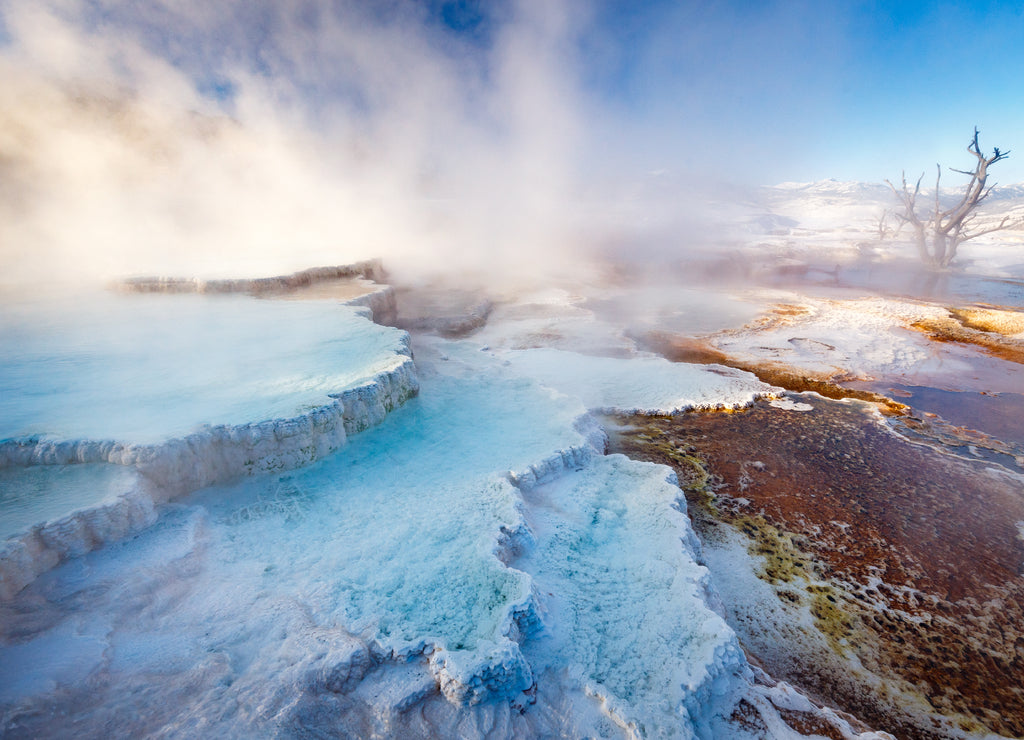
{"type": "Point", "coordinates": [143, 368]}
{"type": "Point", "coordinates": [466, 559]}
{"type": "Point", "coordinates": [412, 527]}
{"type": "Point", "coordinates": [471, 566]}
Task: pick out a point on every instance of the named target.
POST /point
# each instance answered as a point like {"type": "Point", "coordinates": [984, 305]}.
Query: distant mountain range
{"type": "Point", "coordinates": [881, 191]}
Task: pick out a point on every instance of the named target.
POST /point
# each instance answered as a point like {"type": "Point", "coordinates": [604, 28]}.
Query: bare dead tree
{"type": "Point", "coordinates": [939, 234]}
{"type": "Point", "coordinates": [884, 229]}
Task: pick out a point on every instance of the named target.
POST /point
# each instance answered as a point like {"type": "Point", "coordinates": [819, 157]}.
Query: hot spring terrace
{"type": "Point", "coordinates": [474, 556]}
{"type": "Point", "coordinates": [115, 402]}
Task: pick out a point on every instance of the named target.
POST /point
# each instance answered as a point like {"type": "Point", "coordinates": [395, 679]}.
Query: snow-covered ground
{"type": "Point", "coordinates": [854, 223]}
{"type": "Point", "coordinates": [464, 553]}
{"type": "Point", "coordinates": [861, 337]}
{"type": "Point", "coordinates": [473, 565]}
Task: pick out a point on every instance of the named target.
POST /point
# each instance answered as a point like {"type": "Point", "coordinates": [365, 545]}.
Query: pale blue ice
{"type": "Point", "coordinates": [235, 615]}
{"type": "Point", "coordinates": [395, 536]}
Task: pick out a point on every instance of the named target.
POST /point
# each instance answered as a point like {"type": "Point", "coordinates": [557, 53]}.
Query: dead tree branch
{"type": "Point", "coordinates": [939, 234]}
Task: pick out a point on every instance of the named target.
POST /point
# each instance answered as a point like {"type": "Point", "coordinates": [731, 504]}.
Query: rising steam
{"type": "Point", "coordinates": [259, 138]}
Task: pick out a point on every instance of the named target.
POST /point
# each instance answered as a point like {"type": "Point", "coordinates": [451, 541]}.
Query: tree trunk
{"type": "Point", "coordinates": [922, 244]}
{"type": "Point", "coordinates": [939, 248]}
{"type": "Point", "coordinates": [954, 242]}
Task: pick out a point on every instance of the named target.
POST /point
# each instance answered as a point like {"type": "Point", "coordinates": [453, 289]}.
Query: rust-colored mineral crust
{"type": "Point", "coordinates": [910, 560]}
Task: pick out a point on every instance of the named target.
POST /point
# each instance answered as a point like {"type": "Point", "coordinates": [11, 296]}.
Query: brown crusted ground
{"type": "Point", "coordinates": [342, 289]}
{"type": "Point", "coordinates": [833, 497]}
{"type": "Point", "coordinates": [972, 327]}
{"type": "Point", "coordinates": [678, 348]}
{"type": "Point", "coordinates": [996, 319]}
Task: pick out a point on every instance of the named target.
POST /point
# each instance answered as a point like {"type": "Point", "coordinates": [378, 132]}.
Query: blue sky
{"type": "Point", "coordinates": [850, 90]}
{"type": "Point", "coordinates": [751, 91]}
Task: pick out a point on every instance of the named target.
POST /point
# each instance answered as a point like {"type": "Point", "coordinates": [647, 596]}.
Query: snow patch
{"type": "Point", "coordinates": [626, 602]}
{"type": "Point", "coordinates": [788, 404]}
{"type": "Point", "coordinates": [864, 338]}
{"type": "Point", "coordinates": [643, 384]}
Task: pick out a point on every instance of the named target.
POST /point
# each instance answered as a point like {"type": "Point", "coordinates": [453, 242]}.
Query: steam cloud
{"type": "Point", "coordinates": [261, 137]}
{"type": "Point", "coordinates": [254, 137]}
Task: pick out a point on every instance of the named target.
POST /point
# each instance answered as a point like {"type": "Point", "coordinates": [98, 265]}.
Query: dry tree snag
{"type": "Point", "coordinates": [939, 234]}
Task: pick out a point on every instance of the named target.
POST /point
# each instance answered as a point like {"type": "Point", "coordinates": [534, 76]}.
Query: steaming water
{"type": "Point", "coordinates": [41, 493]}
{"type": "Point", "coordinates": [236, 602]}
{"type": "Point", "coordinates": [232, 605]}
{"type": "Point", "coordinates": [677, 309]}
{"type": "Point", "coordinates": [142, 368]}
{"type": "Point", "coordinates": [1000, 414]}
